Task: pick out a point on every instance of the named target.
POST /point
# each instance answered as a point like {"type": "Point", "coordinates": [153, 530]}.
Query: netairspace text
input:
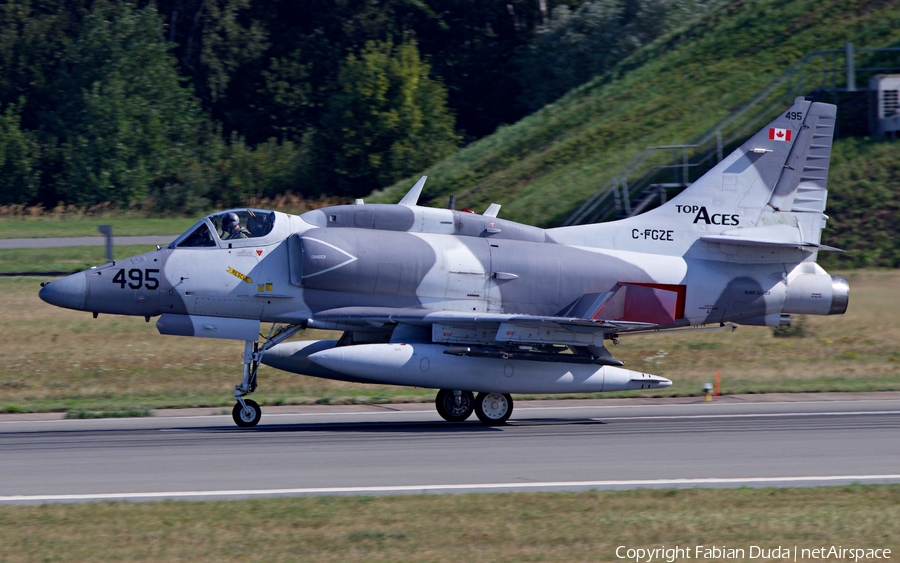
{"type": "Point", "coordinates": [779, 553]}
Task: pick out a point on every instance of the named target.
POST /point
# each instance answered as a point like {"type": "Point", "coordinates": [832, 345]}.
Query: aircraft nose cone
{"type": "Point", "coordinates": [69, 292]}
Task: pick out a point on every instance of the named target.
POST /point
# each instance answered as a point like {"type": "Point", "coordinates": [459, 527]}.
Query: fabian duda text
{"type": "Point", "coordinates": [672, 554]}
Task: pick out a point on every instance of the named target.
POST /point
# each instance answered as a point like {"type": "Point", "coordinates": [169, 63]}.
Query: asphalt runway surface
{"type": "Point", "coordinates": [548, 446]}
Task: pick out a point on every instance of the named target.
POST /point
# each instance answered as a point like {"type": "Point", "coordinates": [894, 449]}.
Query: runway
{"type": "Point", "coordinates": [558, 445]}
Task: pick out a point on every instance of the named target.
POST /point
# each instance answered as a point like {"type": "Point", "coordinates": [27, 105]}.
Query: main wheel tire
{"type": "Point", "coordinates": [493, 409]}
{"type": "Point", "coordinates": [246, 417]}
{"type": "Point", "coordinates": [445, 403]}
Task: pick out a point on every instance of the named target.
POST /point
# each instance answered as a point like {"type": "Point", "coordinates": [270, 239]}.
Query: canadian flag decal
{"type": "Point", "coordinates": [259, 252]}
{"type": "Point", "coordinates": [776, 134]}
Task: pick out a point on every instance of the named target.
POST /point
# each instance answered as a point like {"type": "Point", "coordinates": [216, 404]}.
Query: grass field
{"type": "Point", "coordinates": [60, 360]}
{"type": "Point", "coordinates": [492, 528]}
{"type": "Point", "coordinates": [73, 259]}
{"type": "Point", "coordinates": [73, 225]}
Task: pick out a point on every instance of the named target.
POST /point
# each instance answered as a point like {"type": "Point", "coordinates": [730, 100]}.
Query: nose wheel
{"type": "Point", "coordinates": [454, 406]}
{"type": "Point", "coordinates": [493, 409]}
{"type": "Point", "coordinates": [246, 415]}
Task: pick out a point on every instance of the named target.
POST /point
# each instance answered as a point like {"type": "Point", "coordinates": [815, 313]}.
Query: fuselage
{"type": "Point", "coordinates": [415, 257]}
{"type": "Point", "coordinates": [466, 303]}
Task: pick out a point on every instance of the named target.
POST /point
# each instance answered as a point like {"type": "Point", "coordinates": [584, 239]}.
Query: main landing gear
{"type": "Point", "coordinates": [246, 413]}
{"type": "Point", "coordinates": [492, 409]}
{"type": "Point", "coordinates": [454, 406]}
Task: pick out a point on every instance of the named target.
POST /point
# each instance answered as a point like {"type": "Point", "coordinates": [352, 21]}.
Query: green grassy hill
{"type": "Point", "coordinates": [864, 204]}
{"type": "Point", "coordinates": [543, 167]}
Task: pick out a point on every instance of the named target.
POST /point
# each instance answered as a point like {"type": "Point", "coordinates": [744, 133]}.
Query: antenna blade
{"type": "Point", "coordinates": [412, 196]}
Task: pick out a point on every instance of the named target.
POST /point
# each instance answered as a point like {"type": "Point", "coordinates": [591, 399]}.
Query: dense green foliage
{"type": "Point", "coordinates": [185, 104]}
{"type": "Point", "coordinates": [544, 166]}
{"type": "Point", "coordinates": [388, 120]}
{"type": "Point", "coordinates": [97, 107]}
{"type": "Point", "coordinates": [19, 158]}
{"type": "Point", "coordinates": [864, 205]}
{"type": "Point", "coordinates": [576, 45]}
{"type": "Point", "coordinates": [122, 120]}
{"type": "Point", "coordinates": [182, 104]}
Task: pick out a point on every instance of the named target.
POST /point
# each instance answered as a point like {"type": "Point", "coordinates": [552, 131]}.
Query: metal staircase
{"type": "Point", "coordinates": [658, 173]}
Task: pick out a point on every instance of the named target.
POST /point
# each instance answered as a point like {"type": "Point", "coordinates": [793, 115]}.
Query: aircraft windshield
{"type": "Point", "coordinates": [243, 223]}
{"type": "Point", "coordinates": [197, 238]}
{"type": "Point", "coordinates": [227, 226]}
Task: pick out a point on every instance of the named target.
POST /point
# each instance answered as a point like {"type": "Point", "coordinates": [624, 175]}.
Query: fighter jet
{"type": "Point", "coordinates": [479, 307]}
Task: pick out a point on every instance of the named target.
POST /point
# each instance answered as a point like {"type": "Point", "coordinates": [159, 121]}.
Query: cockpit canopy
{"type": "Point", "coordinates": [211, 230]}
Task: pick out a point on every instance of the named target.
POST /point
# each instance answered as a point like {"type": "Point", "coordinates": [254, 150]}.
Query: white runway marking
{"type": "Point", "coordinates": [521, 409]}
{"type": "Point", "coordinates": [759, 415]}
{"type": "Point", "coordinates": [499, 487]}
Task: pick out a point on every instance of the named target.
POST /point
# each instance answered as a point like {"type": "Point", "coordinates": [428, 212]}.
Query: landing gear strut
{"type": "Point", "coordinates": [454, 406]}
{"type": "Point", "coordinates": [246, 413]}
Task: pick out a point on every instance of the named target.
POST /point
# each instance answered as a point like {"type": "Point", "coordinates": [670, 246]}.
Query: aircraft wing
{"type": "Point", "coordinates": [505, 327]}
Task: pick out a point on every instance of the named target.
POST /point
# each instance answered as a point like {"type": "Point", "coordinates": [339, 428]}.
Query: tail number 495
{"type": "Point", "coordinates": [137, 278]}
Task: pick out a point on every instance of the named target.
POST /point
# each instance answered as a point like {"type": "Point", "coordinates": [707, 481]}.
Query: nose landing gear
{"type": "Point", "coordinates": [246, 413]}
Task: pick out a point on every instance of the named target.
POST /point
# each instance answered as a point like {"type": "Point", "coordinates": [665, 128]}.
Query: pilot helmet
{"type": "Point", "coordinates": [229, 220]}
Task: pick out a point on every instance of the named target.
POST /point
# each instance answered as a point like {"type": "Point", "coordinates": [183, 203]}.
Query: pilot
{"type": "Point", "coordinates": [232, 229]}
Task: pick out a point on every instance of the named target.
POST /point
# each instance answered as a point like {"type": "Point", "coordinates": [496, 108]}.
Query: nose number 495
{"type": "Point", "coordinates": [137, 278]}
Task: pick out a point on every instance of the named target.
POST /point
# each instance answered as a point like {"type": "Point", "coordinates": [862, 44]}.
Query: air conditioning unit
{"type": "Point", "coordinates": [884, 104]}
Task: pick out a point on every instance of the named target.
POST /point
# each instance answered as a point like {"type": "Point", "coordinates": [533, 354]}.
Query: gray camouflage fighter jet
{"type": "Point", "coordinates": [469, 303]}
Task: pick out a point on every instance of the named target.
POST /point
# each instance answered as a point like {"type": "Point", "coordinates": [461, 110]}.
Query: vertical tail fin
{"type": "Point", "coordinates": [771, 191]}
{"type": "Point", "coordinates": [772, 188]}
{"type": "Point", "coordinates": [783, 167]}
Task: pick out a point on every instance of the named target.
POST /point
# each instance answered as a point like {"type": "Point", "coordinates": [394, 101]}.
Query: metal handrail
{"type": "Point", "coordinates": [616, 194]}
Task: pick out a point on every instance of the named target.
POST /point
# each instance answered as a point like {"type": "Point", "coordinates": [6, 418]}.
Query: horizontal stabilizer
{"type": "Point", "coordinates": [770, 236]}
{"type": "Point", "coordinates": [811, 246]}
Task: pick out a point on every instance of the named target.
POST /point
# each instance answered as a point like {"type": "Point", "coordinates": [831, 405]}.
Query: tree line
{"type": "Point", "coordinates": [180, 104]}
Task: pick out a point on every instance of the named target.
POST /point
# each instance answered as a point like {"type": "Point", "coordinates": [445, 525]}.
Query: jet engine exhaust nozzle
{"type": "Point", "coordinates": [816, 294]}
{"type": "Point", "coordinates": [840, 295]}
